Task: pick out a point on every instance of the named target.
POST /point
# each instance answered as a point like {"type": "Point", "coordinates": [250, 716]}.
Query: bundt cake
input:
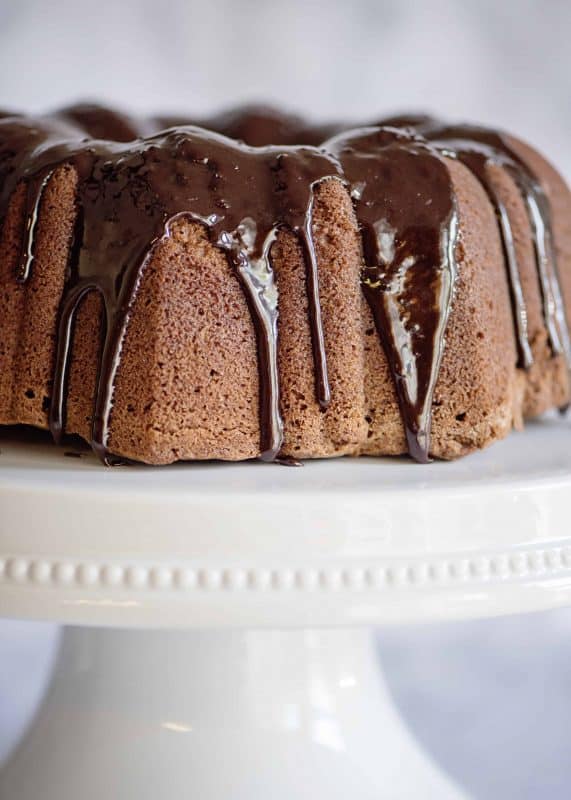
{"type": "Point", "coordinates": [251, 286]}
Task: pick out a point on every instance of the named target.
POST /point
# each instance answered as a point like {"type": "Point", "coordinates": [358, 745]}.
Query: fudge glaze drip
{"type": "Point", "coordinates": [128, 196]}
{"type": "Point", "coordinates": [478, 148]}
{"type": "Point", "coordinates": [405, 206]}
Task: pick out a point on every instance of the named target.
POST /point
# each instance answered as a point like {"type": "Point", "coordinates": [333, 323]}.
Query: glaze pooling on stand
{"type": "Point", "coordinates": [132, 190]}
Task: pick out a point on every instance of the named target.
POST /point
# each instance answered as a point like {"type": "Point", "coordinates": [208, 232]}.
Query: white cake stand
{"type": "Point", "coordinates": [223, 648]}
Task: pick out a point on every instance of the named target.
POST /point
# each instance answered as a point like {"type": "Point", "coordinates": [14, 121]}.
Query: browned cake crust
{"type": "Point", "coordinates": [188, 381]}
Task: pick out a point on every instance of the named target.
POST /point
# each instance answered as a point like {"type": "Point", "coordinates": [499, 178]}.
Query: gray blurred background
{"type": "Point", "coordinates": [490, 700]}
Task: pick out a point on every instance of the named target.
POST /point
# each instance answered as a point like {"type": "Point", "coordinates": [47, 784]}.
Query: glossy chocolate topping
{"type": "Point", "coordinates": [478, 148]}
{"type": "Point", "coordinates": [406, 209]}
{"type": "Point", "coordinates": [246, 188]}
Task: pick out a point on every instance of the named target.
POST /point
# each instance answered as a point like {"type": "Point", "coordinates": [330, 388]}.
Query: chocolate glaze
{"type": "Point", "coordinates": [407, 213]}
{"type": "Point", "coordinates": [131, 191]}
{"type": "Point", "coordinates": [478, 148]}
{"type": "Point", "coordinates": [477, 158]}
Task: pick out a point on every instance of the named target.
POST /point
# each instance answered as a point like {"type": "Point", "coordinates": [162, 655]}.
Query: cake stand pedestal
{"type": "Point", "coordinates": [217, 641]}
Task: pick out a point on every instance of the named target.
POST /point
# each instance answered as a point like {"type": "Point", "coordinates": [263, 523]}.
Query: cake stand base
{"type": "Point", "coordinates": [221, 715]}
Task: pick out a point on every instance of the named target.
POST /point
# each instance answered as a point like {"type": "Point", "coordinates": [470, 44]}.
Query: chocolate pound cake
{"type": "Point", "coordinates": [252, 286]}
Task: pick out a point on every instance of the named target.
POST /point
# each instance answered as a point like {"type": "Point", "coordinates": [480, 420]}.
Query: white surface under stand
{"type": "Point", "coordinates": [219, 615]}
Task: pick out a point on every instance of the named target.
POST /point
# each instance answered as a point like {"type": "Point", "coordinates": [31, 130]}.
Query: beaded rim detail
{"type": "Point", "coordinates": [435, 572]}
